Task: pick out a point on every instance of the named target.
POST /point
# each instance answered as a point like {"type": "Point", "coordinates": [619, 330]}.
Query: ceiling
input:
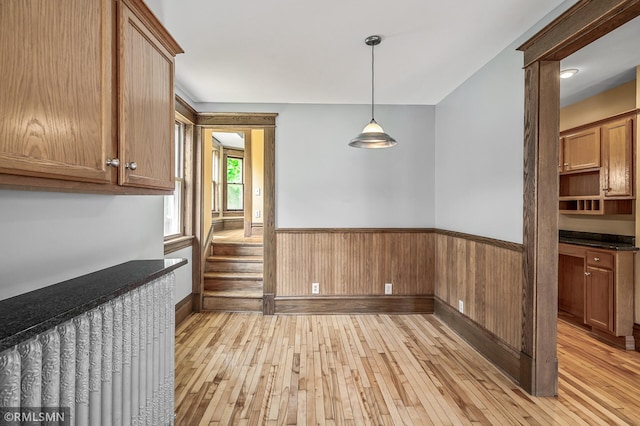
{"type": "Point", "coordinates": [293, 51]}
{"type": "Point", "coordinates": [607, 62]}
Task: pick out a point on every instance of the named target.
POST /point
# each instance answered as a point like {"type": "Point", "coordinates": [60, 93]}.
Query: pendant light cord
{"type": "Point", "coordinates": [372, 81]}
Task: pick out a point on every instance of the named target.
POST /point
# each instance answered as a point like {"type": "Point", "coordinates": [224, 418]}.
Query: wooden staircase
{"type": "Point", "coordinates": [233, 277]}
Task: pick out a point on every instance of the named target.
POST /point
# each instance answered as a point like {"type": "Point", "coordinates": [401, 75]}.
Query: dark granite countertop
{"type": "Point", "coordinates": [603, 241]}
{"type": "Point", "coordinates": [28, 314]}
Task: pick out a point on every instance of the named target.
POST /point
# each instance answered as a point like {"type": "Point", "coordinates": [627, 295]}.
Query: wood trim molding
{"type": "Point", "coordinates": [184, 308]}
{"type": "Point", "coordinates": [353, 230]}
{"type": "Point", "coordinates": [540, 228]}
{"type": "Point", "coordinates": [636, 335]}
{"type": "Point", "coordinates": [237, 119]}
{"type": "Point", "coordinates": [354, 305]}
{"type": "Point", "coordinates": [185, 110]}
{"type": "Point", "coordinates": [480, 338]}
{"type": "Point", "coordinates": [176, 244]}
{"type": "Point", "coordinates": [483, 240]}
{"type": "Point", "coordinates": [269, 241]}
{"type": "Point", "coordinates": [581, 24]}
{"type": "Point", "coordinates": [157, 29]}
{"type": "Point", "coordinates": [573, 30]}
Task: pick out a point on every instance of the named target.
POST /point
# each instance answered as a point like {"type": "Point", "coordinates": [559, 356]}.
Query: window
{"type": "Point", "coordinates": [235, 184]}
{"type": "Point", "coordinates": [215, 177]}
{"type": "Point", "coordinates": [174, 204]}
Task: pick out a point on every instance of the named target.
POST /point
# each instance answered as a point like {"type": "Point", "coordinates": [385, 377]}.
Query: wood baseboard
{"type": "Point", "coordinates": [485, 342]}
{"type": "Point", "coordinates": [422, 304]}
{"type": "Point", "coordinates": [184, 308]}
{"type": "Point", "coordinates": [268, 304]}
{"type": "Point", "coordinates": [620, 342]}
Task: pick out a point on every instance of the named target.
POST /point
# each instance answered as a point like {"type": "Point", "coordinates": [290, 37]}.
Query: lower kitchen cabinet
{"type": "Point", "coordinates": [595, 288]}
{"type": "Point", "coordinates": [599, 298]}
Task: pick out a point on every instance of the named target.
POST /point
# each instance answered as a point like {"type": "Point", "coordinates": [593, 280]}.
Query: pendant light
{"type": "Point", "coordinates": [372, 135]}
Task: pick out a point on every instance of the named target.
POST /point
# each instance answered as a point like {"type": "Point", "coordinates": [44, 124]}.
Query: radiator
{"type": "Point", "coordinates": [113, 365]}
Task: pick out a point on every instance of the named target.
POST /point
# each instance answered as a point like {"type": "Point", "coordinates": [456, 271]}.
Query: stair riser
{"type": "Point", "coordinates": [235, 250]}
{"type": "Point", "coordinates": [233, 267]}
{"type": "Point", "coordinates": [231, 304]}
{"type": "Point", "coordinates": [223, 285]}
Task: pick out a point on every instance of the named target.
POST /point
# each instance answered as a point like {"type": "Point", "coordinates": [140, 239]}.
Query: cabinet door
{"type": "Point", "coordinates": [617, 154]}
{"type": "Point", "coordinates": [56, 89]}
{"type": "Point", "coordinates": [571, 285]}
{"type": "Point", "coordinates": [582, 150]}
{"type": "Point", "coordinates": [146, 112]}
{"type": "Point", "coordinates": [561, 155]}
{"type": "Point", "coordinates": [600, 297]}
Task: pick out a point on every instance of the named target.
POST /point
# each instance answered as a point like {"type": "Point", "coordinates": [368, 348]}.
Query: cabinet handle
{"type": "Point", "coordinates": [131, 166]}
{"type": "Point", "coordinates": [113, 162]}
{"type": "Point", "coordinates": [587, 273]}
{"type": "Point", "coordinates": [566, 164]}
{"type": "Point", "coordinates": [596, 259]}
{"type": "Point", "coordinates": [606, 189]}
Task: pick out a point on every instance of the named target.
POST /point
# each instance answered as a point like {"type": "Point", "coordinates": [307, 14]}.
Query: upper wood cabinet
{"type": "Point", "coordinates": [86, 82]}
{"type": "Point", "coordinates": [581, 150]}
{"type": "Point", "coordinates": [617, 158]}
{"type": "Point", "coordinates": [146, 115]}
{"type": "Point", "coordinates": [56, 92]}
{"type": "Point", "coordinates": [596, 167]}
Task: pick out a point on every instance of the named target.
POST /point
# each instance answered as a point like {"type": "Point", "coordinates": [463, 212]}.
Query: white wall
{"type": "Point", "coordinates": [479, 147]}
{"type": "Point", "coordinates": [479, 151]}
{"type": "Point", "coordinates": [184, 277]}
{"type": "Point", "coordinates": [321, 182]}
{"type": "Point", "coordinates": [48, 237]}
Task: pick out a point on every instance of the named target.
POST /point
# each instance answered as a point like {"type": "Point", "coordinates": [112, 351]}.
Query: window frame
{"type": "Point", "coordinates": [233, 153]}
{"type": "Point", "coordinates": [183, 160]}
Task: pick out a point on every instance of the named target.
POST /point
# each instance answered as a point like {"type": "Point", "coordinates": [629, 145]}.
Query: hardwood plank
{"type": "Point", "coordinates": [382, 369]}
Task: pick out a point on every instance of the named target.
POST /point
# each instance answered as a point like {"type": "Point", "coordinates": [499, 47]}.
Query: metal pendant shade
{"type": "Point", "coordinates": [372, 135]}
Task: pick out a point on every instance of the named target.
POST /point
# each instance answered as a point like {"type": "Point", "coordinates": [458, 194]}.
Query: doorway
{"type": "Point", "coordinates": [580, 25]}
{"type": "Point", "coordinates": [248, 123]}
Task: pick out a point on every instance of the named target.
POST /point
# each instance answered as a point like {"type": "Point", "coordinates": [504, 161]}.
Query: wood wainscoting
{"type": "Point", "coordinates": [352, 267]}
{"type": "Point", "coordinates": [486, 275]}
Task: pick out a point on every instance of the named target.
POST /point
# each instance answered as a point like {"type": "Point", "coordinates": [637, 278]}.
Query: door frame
{"type": "Point", "coordinates": [266, 122]}
{"type": "Point", "coordinates": [580, 25]}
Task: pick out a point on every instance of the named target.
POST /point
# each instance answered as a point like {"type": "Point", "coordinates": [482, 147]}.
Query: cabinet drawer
{"type": "Point", "coordinates": [600, 259]}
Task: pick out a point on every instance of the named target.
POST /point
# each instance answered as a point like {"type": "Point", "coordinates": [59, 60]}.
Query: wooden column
{"type": "Point", "coordinates": [247, 201]}
{"type": "Point", "coordinates": [269, 238]}
{"type": "Point", "coordinates": [198, 220]}
{"type": "Point", "coordinates": [538, 358]}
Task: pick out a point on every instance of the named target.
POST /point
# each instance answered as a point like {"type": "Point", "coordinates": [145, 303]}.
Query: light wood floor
{"type": "Point", "coordinates": [235, 236]}
{"type": "Point", "coordinates": [251, 369]}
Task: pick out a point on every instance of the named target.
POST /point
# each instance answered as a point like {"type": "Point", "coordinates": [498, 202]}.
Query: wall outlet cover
{"type": "Point", "coordinates": [461, 306]}
{"type": "Point", "coordinates": [388, 288]}
{"type": "Point", "coordinates": [315, 288]}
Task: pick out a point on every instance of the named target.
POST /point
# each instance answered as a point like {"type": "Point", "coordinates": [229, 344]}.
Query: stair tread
{"type": "Point", "coordinates": [232, 243]}
{"type": "Point", "coordinates": [245, 294]}
{"type": "Point", "coordinates": [234, 275]}
{"type": "Point", "coordinates": [235, 259]}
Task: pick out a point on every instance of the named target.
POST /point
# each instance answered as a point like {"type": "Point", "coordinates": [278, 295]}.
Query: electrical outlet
{"type": "Point", "coordinates": [315, 288]}
{"type": "Point", "coordinates": [461, 306]}
{"type": "Point", "coordinates": [257, 192]}
{"type": "Point", "coordinates": [257, 213]}
{"type": "Point", "coordinates": [388, 288]}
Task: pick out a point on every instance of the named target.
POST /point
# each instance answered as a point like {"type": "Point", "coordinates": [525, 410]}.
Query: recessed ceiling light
{"type": "Point", "coordinates": [568, 73]}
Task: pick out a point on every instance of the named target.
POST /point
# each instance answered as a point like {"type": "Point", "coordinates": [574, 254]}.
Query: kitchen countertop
{"type": "Point", "coordinates": [596, 240]}
{"type": "Point", "coordinates": [28, 314]}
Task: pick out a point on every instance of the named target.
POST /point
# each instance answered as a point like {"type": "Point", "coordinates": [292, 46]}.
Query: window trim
{"type": "Point", "coordinates": [184, 238]}
{"type": "Point", "coordinates": [234, 153]}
